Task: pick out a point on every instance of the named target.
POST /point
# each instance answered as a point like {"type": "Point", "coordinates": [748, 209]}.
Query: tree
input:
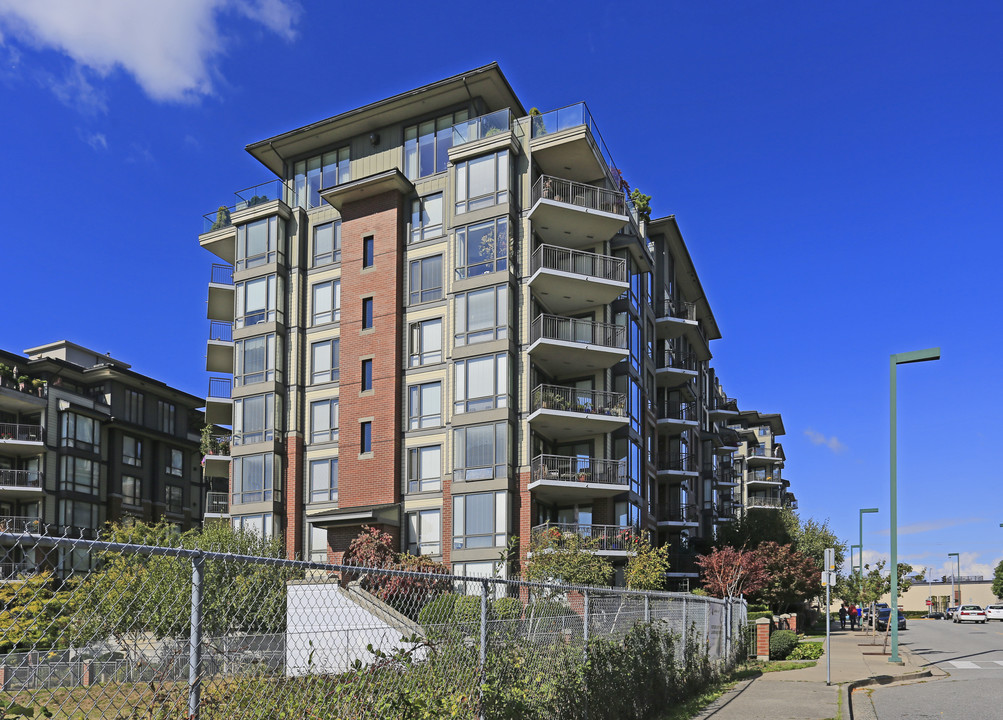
{"type": "Point", "coordinates": [811, 538]}
{"type": "Point", "coordinates": [566, 557]}
{"type": "Point", "coordinates": [757, 527]}
{"type": "Point", "coordinates": [876, 584]}
{"type": "Point", "coordinates": [728, 572]}
{"type": "Point", "coordinates": [647, 567]}
{"type": "Point", "coordinates": [793, 577]}
{"type": "Point", "coordinates": [33, 615]}
{"type": "Point", "coordinates": [998, 580]}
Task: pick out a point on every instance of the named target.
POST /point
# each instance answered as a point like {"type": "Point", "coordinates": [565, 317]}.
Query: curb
{"type": "Point", "coordinates": [848, 688]}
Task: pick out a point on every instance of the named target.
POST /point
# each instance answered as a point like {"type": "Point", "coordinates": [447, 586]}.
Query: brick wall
{"type": "Point", "coordinates": [292, 494]}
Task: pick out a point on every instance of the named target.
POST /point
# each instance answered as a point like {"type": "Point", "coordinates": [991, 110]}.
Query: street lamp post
{"type": "Point", "coordinates": [896, 360]}
{"type": "Point", "coordinates": [860, 551]}
{"type": "Point", "coordinates": [957, 557]}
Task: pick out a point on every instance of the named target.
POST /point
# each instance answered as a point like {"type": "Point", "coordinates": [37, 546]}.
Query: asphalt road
{"type": "Point", "coordinates": [971, 655]}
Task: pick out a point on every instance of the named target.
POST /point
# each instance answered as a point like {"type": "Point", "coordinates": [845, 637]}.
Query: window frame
{"type": "Point", "coordinates": [462, 403]}
{"type": "Point", "coordinates": [420, 229]}
{"type": "Point", "coordinates": [416, 521]}
{"type": "Point", "coordinates": [366, 437]}
{"type": "Point", "coordinates": [416, 483]}
{"type": "Point", "coordinates": [500, 453]}
{"type": "Point", "coordinates": [501, 172]}
{"type": "Point", "coordinates": [70, 424]}
{"type": "Point", "coordinates": [133, 498]}
{"type": "Point", "coordinates": [368, 313]}
{"type": "Point", "coordinates": [332, 417]}
{"type": "Point", "coordinates": [366, 375]}
{"type": "Point", "coordinates": [418, 356]}
{"type": "Point", "coordinates": [333, 371]}
{"type": "Point", "coordinates": [270, 312]}
{"type": "Point", "coordinates": [499, 516]}
{"type": "Point", "coordinates": [79, 475]}
{"type": "Point", "coordinates": [438, 137]}
{"type": "Point", "coordinates": [270, 409]}
{"type": "Point", "coordinates": [329, 171]}
{"type": "Point", "coordinates": [274, 240]}
{"type": "Point", "coordinates": [368, 251]}
{"type": "Point", "coordinates": [134, 406]}
{"type": "Point", "coordinates": [174, 499]}
{"type": "Point", "coordinates": [330, 493]}
{"type": "Point", "coordinates": [316, 258]}
{"type": "Point", "coordinates": [416, 277]}
{"type": "Point", "coordinates": [461, 316]}
{"type": "Point", "coordinates": [269, 470]}
{"type": "Point", "coordinates": [498, 262]}
{"type": "Point", "coordinates": [418, 418]}
{"type": "Point", "coordinates": [272, 356]}
{"type": "Point", "coordinates": [136, 458]}
{"type": "Point", "coordinates": [175, 465]}
{"type": "Point", "coordinates": [334, 312]}
{"type": "Point", "coordinates": [166, 417]}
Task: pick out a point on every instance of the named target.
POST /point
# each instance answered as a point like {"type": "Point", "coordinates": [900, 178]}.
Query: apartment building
{"type": "Point", "coordinates": [86, 440]}
{"type": "Point", "coordinates": [444, 317]}
{"type": "Point", "coordinates": [760, 461]}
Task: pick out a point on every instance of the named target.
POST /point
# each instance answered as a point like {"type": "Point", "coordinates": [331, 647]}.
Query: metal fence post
{"type": "Point", "coordinates": [585, 626]}
{"type": "Point", "coordinates": [647, 609]}
{"type": "Point", "coordinates": [195, 640]}
{"type": "Point", "coordinates": [484, 624]}
{"type": "Point", "coordinates": [727, 630]}
{"type": "Point", "coordinates": [686, 631]}
{"type": "Point", "coordinates": [706, 626]}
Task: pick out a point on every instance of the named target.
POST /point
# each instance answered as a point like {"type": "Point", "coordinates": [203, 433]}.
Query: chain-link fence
{"type": "Point", "coordinates": [118, 630]}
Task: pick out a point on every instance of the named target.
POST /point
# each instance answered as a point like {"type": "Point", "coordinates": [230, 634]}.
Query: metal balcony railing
{"type": "Point", "coordinates": [676, 410]}
{"type": "Point", "coordinates": [217, 503]}
{"type": "Point", "coordinates": [586, 264]}
{"type": "Point", "coordinates": [569, 399]}
{"type": "Point", "coordinates": [590, 197]}
{"type": "Point", "coordinates": [577, 330]}
{"type": "Point", "coordinates": [14, 571]}
{"type": "Point", "coordinates": [481, 127]}
{"type": "Point", "coordinates": [678, 360]}
{"type": "Point", "coordinates": [762, 475]}
{"type": "Point", "coordinates": [222, 331]}
{"type": "Point", "coordinates": [723, 402]}
{"type": "Point", "coordinates": [668, 512]}
{"type": "Point", "coordinates": [221, 274]}
{"type": "Point", "coordinates": [20, 478]}
{"type": "Point", "coordinates": [20, 432]}
{"type": "Point", "coordinates": [217, 445]}
{"type": "Point", "coordinates": [259, 194]}
{"type": "Point", "coordinates": [593, 537]}
{"type": "Point", "coordinates": [579, 469]}
{"type": "Point", "coordinates": [679, 309]}
{"type": "Point", "coordinates": [220, 387]}
{"type": "Point", "coordinates": [767, 502]}
{"type": "Point", "coordinates": [726, 475]}
{"type": "Point", "coordinates": [20, 524]}
{"type": "Point", "coordinates": [762, 451]}
{"type": "Point", "coordinates": [681, 462]}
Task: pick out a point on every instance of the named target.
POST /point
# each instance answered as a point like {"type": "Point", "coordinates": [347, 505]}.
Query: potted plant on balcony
{"type": "Point", "coordinates": [222, 218]}
{"type": "Point", "coordinates": [39, 385]}
{"type": "Point", "coordinates": [582, 476]}
{"type": "Point", "coordinates": [22, 382]}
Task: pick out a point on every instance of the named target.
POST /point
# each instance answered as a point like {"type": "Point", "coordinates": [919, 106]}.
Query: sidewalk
{"type": "Point", "coordinates": [803, 694]}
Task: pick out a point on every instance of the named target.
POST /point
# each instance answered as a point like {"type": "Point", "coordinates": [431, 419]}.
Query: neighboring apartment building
{"type": "Point", "coordinates": [445, 318]}
{"type": "Point", "coordinates": [85, 440]}
{"type": "Point", "coordinates": [760, 459]}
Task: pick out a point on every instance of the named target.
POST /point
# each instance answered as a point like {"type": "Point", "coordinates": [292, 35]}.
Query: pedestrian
{"type": "Point", "coordinates": [842, 616]}
{"type": "Point", "coordinates": [853, 616]}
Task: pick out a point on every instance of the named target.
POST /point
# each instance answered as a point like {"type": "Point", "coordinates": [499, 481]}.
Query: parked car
{"type": "Point", "coordinates": [970, 613]}
{"type": "Point", "coordinates": [935, 615]}
{"type": "Point", "coordinates": [949, 615]}
{"type": "Point", "coordinates": [994, 612]}
{"type": "Point", "coordinates": [883, 615]}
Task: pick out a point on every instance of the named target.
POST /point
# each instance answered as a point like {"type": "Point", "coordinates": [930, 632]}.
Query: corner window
{"type": "Point", "coordinates": [252, 478]}
{"type": "Point", "coordinates": [425, 406]}
{"type": "Point", "coordinates": [479, 520]}
{"type": "Point", "coordinates": [327, 243]}
{"type": "Point", "coordinates": [480, 383]}
{"type": "Point", "coordinates": [325, 359]}
{"type": "Point", "coordinates": [424, 469]}
{"type": "Point", "coordinates": [79, 431]}
{"type": "Point", "coordinates": [259, 243]}
{"type": "Point", "coordinates": [254, 419]}
{"type": "Point", "coordinates": [314, 174]}
{"type": "Point", "coordinates": [425, 280]}
{"type": "Point", "coordinates": [480, 452]}
{"type": "Point", "coordinates": [255, 360]}
{"type": "Point", "coordinates": [367, 313]}
{"type": "Point", "coordinates": [365, 437]}
{"type": "Point", "coordinates": [258, 301]}
{"type": "Point", "coordinates": [77, 514]}
{"type": "Point", "coordinates": [482, 248]}
{"type": "Point", "coordinates": [132, 451]}
{"type": "Point", "coordinates": [482, 182]}
{"type": "Point", "coordinates": [326, 302]}
{"type": "Point", "coordinates": [424, 532]}
{"type": "Point", "coordinates": [324, 420]}
{"type": "Point", "coordinates": [132, 490]}
{"type": "Point", "coordinates": [481, 315]}
{"type": "Point", "coordinates": [426, 146]}
{"type": "Point", "coordinates": [425, 344]}
{"type": "Point", "coordinates": [426, 218]}
{"type": "Point", "coordinates": [367, 375]}
{"type": "Point", "coordinates": [324, 480]}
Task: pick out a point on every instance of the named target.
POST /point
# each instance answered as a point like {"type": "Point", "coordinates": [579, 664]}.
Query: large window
{"type": "Point", "coordinates": [324, 420]}
{"type": "Point", "coordinates": [175, 462]}
{"type": "Point", "coordinates": [259, 242]}
{"type": "Point", "coordinates": [166, 416]}
{"type": "Point", "coordinates": [482, 315]}
{"type": "Point", "coordinates": [254, 419]}
{"type": "Point", "coordinates": [78, 514]}
{"type": "Point", "coordinates": [480, 383]}
{"type": "Point", "coordinates": [261, 525]}
{"type": "Point", "coordinates": [482, 182]}
{"type": "Point", "coordinates": [316, 173]}
{"type": "Point", "coordinates": [132, 451]}
{"type": "Point", "coordinates": [327, 243]}
{"type": "Point", "coordinates": [424, 532]}
{"type": "Point", "coordinates": [482, 248]}
{"type": "Point", "coordinates": [78, 475]}
{"type": "Point", "coordinates": [426, 146]}
{"type": "Point", "coordinates": [79, 431]}
{"type": "Point", "coordinates": [424, 469]}
{"type": "Point", "coordinates": [426, 218]}
{"type": "Point", "coordinates": [479, 520]}
{"type": "Point", "coordinates": [326, 302]}
{"type": "Point", "coordinates": [252, 478]}
{"type": "Point", "coordinates": [132, 490]}
{"type": "Point", "coordinates": [256, 359]}
{"type": "Point", "coordinates": [426, 280]}
{"type": "Point", "coordinates": [174, 497]}
{"type": "Point", "coordinates": [325, 361]}
{"type": "Point", "coordinates": [134, 406]}
{"type": "Point", "coordinates": [258, 301]}
{"type": "Point", "coordinates": [425, 344]}
{"type": "Point", "coordinates": [324, 480]}
{"type": "Point", "coordinates": [480, 452]}
{"type": "Point", "coordinates": [318, 544]}
{"type": "Point", "coordinates": [424, 407]}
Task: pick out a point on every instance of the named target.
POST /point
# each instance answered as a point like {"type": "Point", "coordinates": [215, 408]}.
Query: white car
{"type": "Point", "coordinates": [970, 613]}
{"type": "Point", "coordinates": [994, 612]}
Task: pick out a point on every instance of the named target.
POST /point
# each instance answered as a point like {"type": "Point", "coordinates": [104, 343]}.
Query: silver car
{"type": "Point", "coordinates": [994, 612]}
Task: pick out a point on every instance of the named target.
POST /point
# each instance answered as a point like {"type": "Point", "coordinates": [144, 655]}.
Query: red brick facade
{"type": "Point", "coordinates": [293, 494]}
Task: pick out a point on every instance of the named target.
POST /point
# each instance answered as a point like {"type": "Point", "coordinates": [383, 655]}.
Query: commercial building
{"type": "Point", "coordinates": [445, 317]}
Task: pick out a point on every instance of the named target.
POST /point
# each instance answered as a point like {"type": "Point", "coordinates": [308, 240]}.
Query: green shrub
{"type": "Point", "coordinates": [467, 610]}
{"type": "Point", "coordinates": [758, 608]}
{"type": "Point", "coordinates": [506, 609]}
{"type": "Point", "coordinates": [753, 616]}
{"type": "Point", "coordinates": [781, 644]}
{"type": "Point", "coordinates": [438, 612]}
{"type": "Point", "coordinates": [807, 651]}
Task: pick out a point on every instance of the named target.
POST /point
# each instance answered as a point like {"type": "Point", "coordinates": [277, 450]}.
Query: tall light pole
{"type": "Point", "coordinates": [860, 548]}
{"type": "Point", "coordinates": [957, 557]}
{"type": "Point", "coordinates": [896, 360]}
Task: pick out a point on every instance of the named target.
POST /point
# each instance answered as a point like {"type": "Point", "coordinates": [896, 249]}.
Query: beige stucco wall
{"type": "Point", "coordinates": [978, 593]}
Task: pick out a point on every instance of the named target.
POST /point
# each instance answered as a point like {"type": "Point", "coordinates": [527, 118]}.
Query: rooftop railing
{"type": "Point", "coordinates": [221, 331]}
{"type": "Point", "coordinates": [723, 402]}
{"type": "Point", "coordinates": [586, 264]}
{"type": "Point", "coordinates": [217, 219]}
{"type": "Point", "coordinates": [259, 194]}
{"type": "Point", "coordinates": [579, 469]}
{"type": "Point", "coordinates": [481, 127]}
{"type": "Point", "coordinates": [20, 432]}
{"type": "Point", "coordinates": [762, 451]}
{"type": "Point", "coordinates": [583, 195]}
{"type": "Point", "coordinates": [608, 538]}
{"type": "Point", "coordinates": [221, 274]}
{"type": "Point", "coordinates": [20, 478]}
{"type": "Point", "coordinates": [577, 330]}
{"type": "Point", "coordinates": [570, 399]}
{"type": "Point", "coordinates": [567, 117]}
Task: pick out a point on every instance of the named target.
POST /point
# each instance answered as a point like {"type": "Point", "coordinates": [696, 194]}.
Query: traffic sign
{"type": "Point", "coordinates": [929, 602]}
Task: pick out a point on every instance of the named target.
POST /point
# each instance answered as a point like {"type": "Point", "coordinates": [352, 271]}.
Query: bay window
{"type": "Point", "coordinates": [482, 182]}
{"type": "Point", "coordinates": [481, 315]}
{"type": "Point", "coordinates": [425, 280]}
{"type": "Point", "coordinates": [424, 469]}
{"type": "Point", "coordinates": [259, 300]}
{"type": "Point", "coordinates": [256, 359]}
{"type": "Point", "coordinates": [324, 480]}
{"type": "Point", "coordinates": [253, 477]}
{"type": "Point", "coordinates": [425, 405]}
{"type": "Point", "coordinates": [426, 145]}
{"type": "Point", "coordinates": [480, 452]}
{"type": "Point", "coordinates": [425, 344]}
{"type": "Point", "coordinates": [326, 302]}
{"type": "Point", "coordinates": [424, 532]}
{"type": "Point", "coordinates": [479, 520]}
{"type": "Point", "coordinates": [254, 418]}
{"type": "Point", "coordinates": [482, 248]}
{"type": "Point", "coordinates": [260, 242]}
{"type": "Point", "coordinates": [480, 383]}
{"type": "Point", "coordinates": [426, 217]}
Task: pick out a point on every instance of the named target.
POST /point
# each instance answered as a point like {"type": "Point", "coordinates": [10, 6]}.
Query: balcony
{"type": "Point", "coordinates": [219, 349]}
{"type": "Point", "coordinates": [220, 304]}
{"type": "Point", "coordinates": [672, 515]}
{"type": "Point", "coordinates": [679, 319]}
{"type": "Point", "coordinates": [219, 236]}
{"type": "Point", "coordinates": [727, 477]}
{"type": "Point", "coordinates": [676, 417]}
{"type": "Point", "coordinates": [16, 571]}
{"type": "Point", "coordinates": [682, 464]}
{"type": "Point", "coordinates": [675, 368]}
{"type": "Point", "coordinates": [218, 403]}
{"type": "Point", "coordinates": [683, 565]}
{"type": "Point", "coordinates": [217, 456]}
{"type": "Point", "coordinates": [558, 478]}
{"type": "Point", "coordinates": [565, 413]}
{"type": "Point", "coordinates": [20, 524]}
{"type": "Point", "coordinates": [612, 540]}
{"type": "Point", "coordinates": [567, 280]}
{"type": "Point", "coordinates": [723, 408]}
{"type": "Point", "coordinates": [482, 127]}
{"type": "Point", "coordinates": [570, 346]}
{"type": "Point", "coordinates": [573, 214]}
{"type": "Point", "coordinates": [761, 455]}
{"type": "Point", "coordinates": [217, 505]}
{"type": "Point", "coordinates": [20, 484]}
{"type": "Point", "coordinates": [727, 510]}
{"type": "Point", "coordinates": [567, 140]}
{"type": "Point", "coordinates": [773, 503]}
{"type": "Point", "coordinates": [21, 396]}
{"type": "Point", "coordinates": [764, 476]}
{"type": "Point", "coordinates": [19, 440]}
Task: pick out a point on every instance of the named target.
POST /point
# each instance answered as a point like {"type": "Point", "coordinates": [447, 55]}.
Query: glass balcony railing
{"type": "Point", "coordinates": [577, 330]}
{"type": "Point", "coordinates": [577, 262]}
{"type": "Point", "coordinates": [579, 469]}
{"type": "Point", "coordinates": [259, 194]}
{"type": "Point", "coordinates": [567, 117]}
{"type": "Point", "coordinates": [763, 502]}
{"type": "Point", "coordinates": [218, 219]}
{"type": "Point", "coordinates": [481, 127]}
{"type": "Point", "coordinates": [679, 309]}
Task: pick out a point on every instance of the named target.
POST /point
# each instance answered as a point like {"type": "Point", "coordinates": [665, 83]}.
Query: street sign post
{"type": "Point", "coordinates": [828, 579]}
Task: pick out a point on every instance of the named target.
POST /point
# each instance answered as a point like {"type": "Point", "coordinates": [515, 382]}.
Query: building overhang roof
{"type": "Point", "coordinates": [366, 187]}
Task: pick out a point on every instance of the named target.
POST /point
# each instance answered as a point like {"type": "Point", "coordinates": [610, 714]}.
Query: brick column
{"type": "Point", "coordinates": [763, 638]}
{"type": "Point", "coordinates": [293, 496]}
{"type": "Point", "coordinates": [792, 622]}
{"type": "Point", "coordinates": [87, 674]}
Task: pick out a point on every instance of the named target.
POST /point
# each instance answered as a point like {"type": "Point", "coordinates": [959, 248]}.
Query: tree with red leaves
{"type": "Point", "coordinates": [793, 576]}
{"type": "Point", "coordinates": [728, 572]}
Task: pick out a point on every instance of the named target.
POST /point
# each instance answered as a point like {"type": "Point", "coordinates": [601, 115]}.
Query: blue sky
{"type": "Point", "coordinates": [835, 170]}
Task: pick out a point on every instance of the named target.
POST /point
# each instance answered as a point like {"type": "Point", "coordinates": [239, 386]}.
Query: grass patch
{"type": "Point", "coordinates": [763, 666]}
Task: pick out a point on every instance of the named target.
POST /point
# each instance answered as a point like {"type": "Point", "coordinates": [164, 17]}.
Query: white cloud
{"type": "Point", "coordinates": [832, 443]}
{"type": "Point", "coordinates": [98, 141]}
{"type": "Point", "coordinates": [168, 47]}
{"type": "Point", "coordinates": [931, 525]}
